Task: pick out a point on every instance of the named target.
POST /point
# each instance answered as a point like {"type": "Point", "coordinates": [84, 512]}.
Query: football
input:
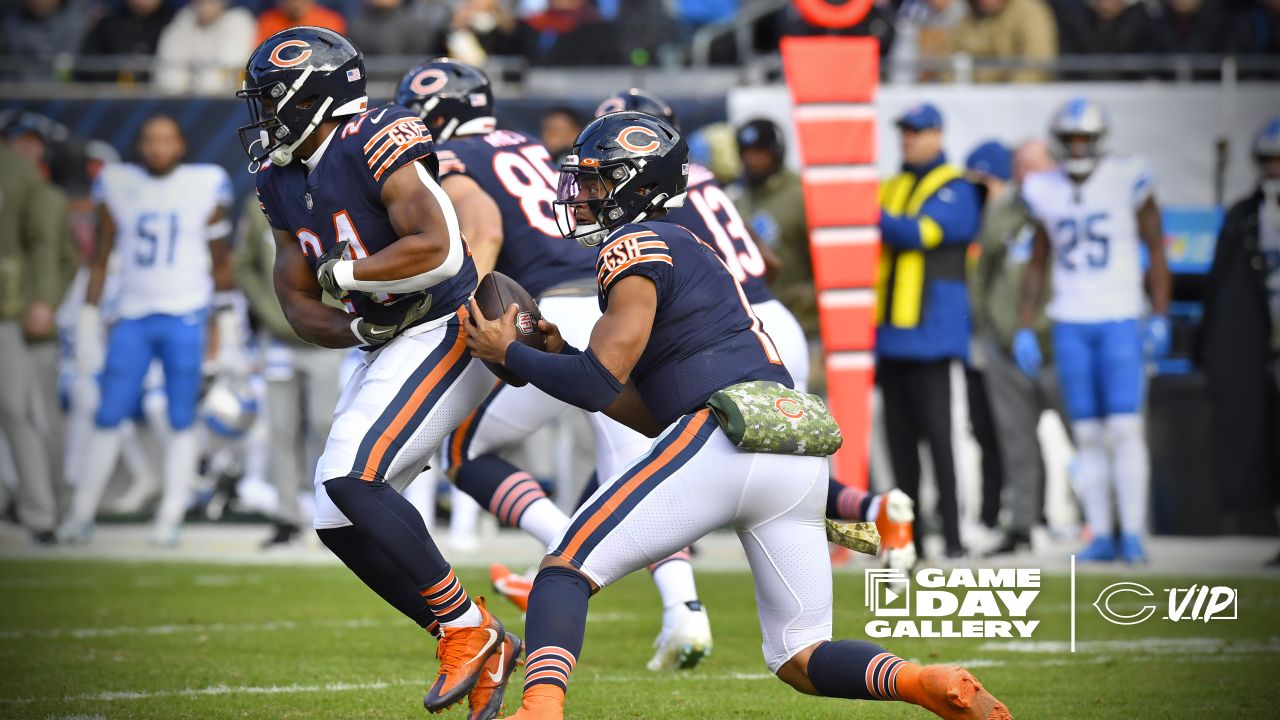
{"type": "Point", "coordinates": [493, 295]}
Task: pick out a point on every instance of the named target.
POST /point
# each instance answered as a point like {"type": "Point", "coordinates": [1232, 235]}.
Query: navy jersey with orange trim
{"type": "Point", "coordinates": [518, 174]}
{"type": "Point", "coordinates": [711, 215]}
{"type": "Point", "coordinates": [341, 199]}
{"type": "Point", "coordinates": [705, 337]}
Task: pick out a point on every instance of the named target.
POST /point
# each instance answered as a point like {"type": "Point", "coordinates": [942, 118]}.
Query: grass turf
{"type": "Point", "coordinates": [149, 640]}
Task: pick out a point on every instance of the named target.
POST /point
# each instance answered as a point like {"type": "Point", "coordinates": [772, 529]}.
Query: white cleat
{"type": "Point", "coordinates": [685, 643]}
{"type": "Point", "coordinates": [74, 533]}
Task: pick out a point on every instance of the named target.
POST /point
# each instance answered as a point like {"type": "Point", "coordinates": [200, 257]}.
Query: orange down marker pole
{"type": "Point", "coordinates": [833, 82]}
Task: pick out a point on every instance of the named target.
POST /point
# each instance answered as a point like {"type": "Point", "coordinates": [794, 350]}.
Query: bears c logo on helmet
{"type": "Point", "coordinates": [428, 81]}
{"type": "Point", "coordinates": [301, 57]}
{"type": "Point", "coordinates": [648, 139]}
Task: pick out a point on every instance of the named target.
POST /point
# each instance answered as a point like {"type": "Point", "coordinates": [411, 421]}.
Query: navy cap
{"type": "Point", "coordinates": [991, 158]}
{"type": "Point", "coordinates": [921, 117]}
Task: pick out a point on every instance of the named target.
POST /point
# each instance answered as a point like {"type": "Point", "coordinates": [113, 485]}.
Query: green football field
{"type": "Point", "coordinates": [150, 640]}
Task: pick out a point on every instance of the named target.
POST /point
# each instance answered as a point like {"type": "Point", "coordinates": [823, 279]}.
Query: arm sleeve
{"type": "Point", "coordinates": [950, 216]}
{"type": "Point", "coordinates": [577, 378]}
{"type": "Point", "coordinates": [43, 233]}
{"type": "Point", "coordinates": [634, 250]}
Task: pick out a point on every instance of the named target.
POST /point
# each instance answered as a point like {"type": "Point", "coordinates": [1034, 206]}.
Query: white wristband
{"type": "Point", "coordinates": [344, 273]}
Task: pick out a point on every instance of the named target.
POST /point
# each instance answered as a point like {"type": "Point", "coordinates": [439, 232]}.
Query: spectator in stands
{"type": "Point", "coordinates": [203, 49]}
{"type": "Point", "coordinates": [1008, 30]}
{"type": "Point", "coordinates": [1239, 346]}
{"type": "Point", "coordinates": [302, 379]}
{"type": "Point", "coordinates": [395, 27]}
{"type": "Point", "coordinates": [1193, 27]}
{"type": "Point", "coordinates": [560, 128]}
{"type": "Point", "coordinates": [38, 32]}
{"type": "Point", "coordinates": [923, 31]}
{"type": "Point", "coordinates": [1259, 28]}
{"type": "Point", "coordinates": [291, 13]}
{"type": "Point", "coordinates": [132, 30]}
{"type": "Point", "coordinates": [1100, 27]}
{"type": "Point", "coordinates": [1017, 401]}
{"type": "Point", "coordinates": [771, 199]}
{"type": "Point", "coordinates": [929, 215]}
{"type": "Point", "coordinates": [572, 32]}
{"type": "Point", "coordinates": [481, 28]}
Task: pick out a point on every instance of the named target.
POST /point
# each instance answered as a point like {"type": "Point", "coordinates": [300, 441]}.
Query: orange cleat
{"type": "Point", "coordinates": [541, 702]}
{"type": "Point", "coordinates": [485, 699]}
{"type": "Point", "coordinates": [953, 693]}
{"type": "Point", "coordinates": [894, 522]}
{"type": "Point", "coordinates": [463, 653]}
{"type": "Point", "coordinates": [511, 586]}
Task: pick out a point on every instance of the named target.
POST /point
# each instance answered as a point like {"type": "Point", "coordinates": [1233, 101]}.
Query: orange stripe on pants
{"type": "Point", "coordinates": [616, 498]}
{"type": "Point", "coordinates": [419, 396]}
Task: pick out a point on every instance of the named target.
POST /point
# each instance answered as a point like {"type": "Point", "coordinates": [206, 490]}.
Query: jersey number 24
{"type": "Point", "coordinates": [1083, 238]}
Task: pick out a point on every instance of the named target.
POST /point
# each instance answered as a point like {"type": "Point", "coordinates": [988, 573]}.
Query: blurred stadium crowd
{"type": "Point", "coordinates": [200, 46]}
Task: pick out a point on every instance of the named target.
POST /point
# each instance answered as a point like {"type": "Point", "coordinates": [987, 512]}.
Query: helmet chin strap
{"type": "Point", "coordinates": [284, 155]}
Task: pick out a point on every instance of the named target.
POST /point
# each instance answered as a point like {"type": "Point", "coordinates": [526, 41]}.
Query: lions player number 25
{"type": "Point", "coordinates": [730, 234]}
{"type": "Point", "coordinates": [158, 238]}
{"type": "Point", "coordinates": [1097, 246]}
{"type": "Point", "coordinates": [528, 177]}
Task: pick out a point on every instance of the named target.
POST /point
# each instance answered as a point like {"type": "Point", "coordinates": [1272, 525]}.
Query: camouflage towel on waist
{"type": "Point", "coordinates": [765, 416]}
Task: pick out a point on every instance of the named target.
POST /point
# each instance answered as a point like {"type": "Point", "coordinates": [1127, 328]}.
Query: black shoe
{"type": "Point", "coordinates": [1275, 561]}
{"type": "Point", "coordinates": [956, 552]}
{"type": "Point", "coordinates": [285, 534]}
{"type": "Point", "coordinates": [45, 538]}
{"type": "Point", "coordinates": [1014, 542]}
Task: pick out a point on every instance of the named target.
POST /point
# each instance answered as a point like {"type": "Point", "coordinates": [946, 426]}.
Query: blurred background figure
{"type": "Point", "coordinates": [559, 129]}
{"type": "Point", "coordinates": [923, 30]}
{"type": "Point", "coordinates": [40, 37]}
{"type": "Point", "coordinates": [34, 272]}
{"type": "Point", "coordinates": [291, 13]}
{"type": "Point", "coordinates": [130, 35]}
{"type": "Point", "coordinates": [1240, 344]}
{"type": "Point", "coordinates": [1095, 213]}
{"type": "Point", "coordinates": [929, 215]}
{"type": "Point", "coordinates": [481, 28]}
{"type": "Point", "coordinates": [398, 27]}
{"type": "Point", "coordinates": [202, 51]}
{"type": "Point", "coordinates": [1008, 29]}
{"type": "Point", "coordinates": [1017, 401]}
{"type": "Point", "coordinates": [770, 198]}
{"type": "Point", "coordinates": [168, 222]}
{"type": "Point", "coordinates": [302, 379]}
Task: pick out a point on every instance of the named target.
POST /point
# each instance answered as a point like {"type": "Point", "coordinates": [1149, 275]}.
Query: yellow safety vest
{"type": "Point", "coordinates": [900, 281]}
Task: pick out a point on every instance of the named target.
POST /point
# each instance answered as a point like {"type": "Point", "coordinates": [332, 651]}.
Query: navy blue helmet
{"type": "Point", "coordinates": [448, 95]}
{"type": "Point", "coordinates": [640, 101]}
{"type": "Point", "coordinates": [624, 167]}
{"type": "Point", "coordinates": [295, 80]}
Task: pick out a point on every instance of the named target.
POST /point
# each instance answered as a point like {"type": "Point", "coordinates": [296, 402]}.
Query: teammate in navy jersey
{"type": "Point", "coordinates": [356, 211]}
{"type": "Point", "coordinates": [676, 328]}
{"type": "Point", "coordinates": [503, 187]}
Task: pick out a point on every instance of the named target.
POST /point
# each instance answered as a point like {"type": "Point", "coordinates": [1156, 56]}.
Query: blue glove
{"type": "Point", "coordinates": [1158, 336]}
{"type": "Point", "coordinates": [1026, 352]}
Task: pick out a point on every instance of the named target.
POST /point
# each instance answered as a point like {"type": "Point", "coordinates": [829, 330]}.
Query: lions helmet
{"type": "Point", "coordinates": [1078, 129]}
{"type": "Point", "coordinates": [295, 80]}
{"type": "Point", "coordinates": [229, 407]}
{"type": "Point", "coordinates": [639, 101]}
{"type": "Point", "coordinates": [624, 167]}
{"type": "Point", "coordinates": [1266, 144]}
{"type": "Point", "coordinates": [451, 97]}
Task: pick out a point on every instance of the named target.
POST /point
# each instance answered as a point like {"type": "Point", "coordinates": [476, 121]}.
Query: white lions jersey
{"type": "Point", "coordinates": [162, 235]}
{"type": "Point", "coordinates": [1093, 236]}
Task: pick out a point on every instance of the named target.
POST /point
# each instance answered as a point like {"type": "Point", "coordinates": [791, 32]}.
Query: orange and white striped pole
{"type": "Point", "coordinates": [833, 82]}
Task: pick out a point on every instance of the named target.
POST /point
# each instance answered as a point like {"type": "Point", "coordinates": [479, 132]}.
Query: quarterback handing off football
{"type": "Point", "coordinates": [495, 293]}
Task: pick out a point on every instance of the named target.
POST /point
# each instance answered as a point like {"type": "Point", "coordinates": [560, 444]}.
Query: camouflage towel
{"type": "Point", "coordinates": [861, 537]}
{"type": "Point", "coordinates": [764, 416]}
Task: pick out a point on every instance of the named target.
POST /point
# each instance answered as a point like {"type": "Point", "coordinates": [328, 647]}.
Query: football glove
{"type": "Point", "coordinates": [324, 271]}
{"type": "Point", "coordinates": [373, 335]}
{"type": "Point", "coordinates": [1026, 352]}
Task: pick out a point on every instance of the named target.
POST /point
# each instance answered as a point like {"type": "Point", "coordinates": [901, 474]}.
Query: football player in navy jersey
{"type": "Point", "coordinates": [357, 213]}
{"type": "Point", "coordinates": [503, 185]}
{"type": "Point", "coordinates": [677, 328]}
